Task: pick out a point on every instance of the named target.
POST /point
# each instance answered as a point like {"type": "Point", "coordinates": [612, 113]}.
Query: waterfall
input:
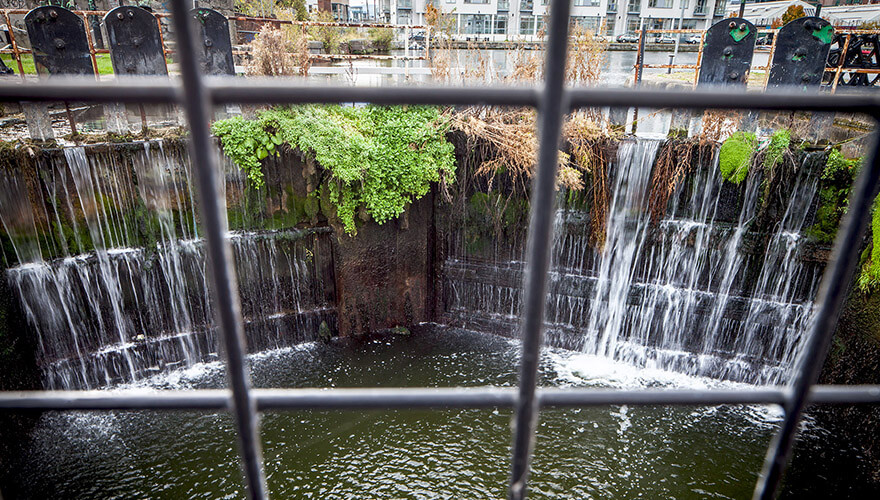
{"type": "Point", "coordinates": [700, 292]}
{"type": "Point", "coordinates": [127, 294]}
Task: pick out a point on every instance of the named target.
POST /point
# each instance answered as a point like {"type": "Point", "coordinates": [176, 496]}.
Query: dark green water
{"type": "Point", "coordinates": [613, 452]}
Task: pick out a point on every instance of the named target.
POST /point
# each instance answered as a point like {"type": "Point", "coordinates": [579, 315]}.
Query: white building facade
{"type": "Point", "coordinates": [499, 20]}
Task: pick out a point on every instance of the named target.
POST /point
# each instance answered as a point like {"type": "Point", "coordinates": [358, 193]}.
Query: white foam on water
{"type": "Point", "coordinates": [578, 369]}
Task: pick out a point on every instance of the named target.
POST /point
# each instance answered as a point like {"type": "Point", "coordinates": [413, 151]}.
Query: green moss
{"type": "Point", "coordinates": [869, 279]}
{"type": "Point", "coordinates": [779, 142]}
{"type": "Point", "coordinates": [836, 182]}
{"type": "Point", "coordinates": [379, 158]}
{"type": "Point", "coordinates": [735, 156]}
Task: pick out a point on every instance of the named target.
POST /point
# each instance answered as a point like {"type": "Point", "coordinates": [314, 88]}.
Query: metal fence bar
{"type": "Point", "coordinates": [224, 90]}
{"type": "Point", "coordinates": [222, 271]}
{"type": "Point", "coordinates": [551, 111]}
{"type": "Point", "coordinates": [832, 293]}
{"type": "Point", "coordinates": [421, 397]}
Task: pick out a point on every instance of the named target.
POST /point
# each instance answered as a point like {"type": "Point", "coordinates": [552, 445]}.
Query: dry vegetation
{"type": "Point", "coordinates": [278, 52]}
{"type": "Point", "coordinates": [507, 137]}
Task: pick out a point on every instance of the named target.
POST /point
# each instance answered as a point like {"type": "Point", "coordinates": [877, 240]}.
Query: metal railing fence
{"type": "Point", "coordinates": [553, 101]}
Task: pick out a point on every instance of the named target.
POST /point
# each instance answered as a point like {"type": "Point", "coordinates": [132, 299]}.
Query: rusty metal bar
{"type": "Point", "coordinates": [840, 63]}
{"type": "Point", "coordinates": [769, 63]}
{"type": "Point", "coordinates": [162, 44]}
{"type": "Point", "coordinates": [699, 59]}
{"type": "Point", "coordinates": [670, 66]}
{"type": "Point", "coordinates": [91, 45]}
{"type": "Point", "coordinates": [15, 49]}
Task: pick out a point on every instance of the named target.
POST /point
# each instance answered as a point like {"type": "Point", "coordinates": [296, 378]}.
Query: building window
{"type": "Point", "coordinates": [526, 5]}
{"type": "Point", "coordinates": [404, 17]}
{"type": "Point", "coordinates": [539, 24]}
{"type": "Point", "coordinates": [632, 24]}
{"type": "Point", "coordinates": [527, 25]}
{"type": "Point", "coordinates": [404, 4]}
{"type": "Point", "coordinates": [475, 24]}
{"type": "Point", "coordinates": [720, 7]}
{"type": "Point", "coordinates": [660, 4]}
{"type": "Point", "coordinates": [609, 26]}
{"type": "Point", "coordinates": [612, 6]}
{"type": "Point", "coordinates": [504, 5]}
{"type": "Point", "coordinates": [476, 1]}
{"type": "Point", "coordinates": [586, 3]}
{"type": "Point", "coordinates": [500, 27]}
{"type": "Point", "coordinates": [700, 7]}
{"type": "Point", "coordinates": [685, 4]}
{"type": "Point", "coordinates": [587, 22]}
{"type": "Point", "coordinates": [634, 6]}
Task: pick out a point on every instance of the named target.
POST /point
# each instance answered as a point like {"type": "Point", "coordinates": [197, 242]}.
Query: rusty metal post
{"type": "Point", "coordinates": [162, 42]}
{"type": "Point", "coordinates": [91, 45]}
{"type": "Point", "coordinates": [770, 60]}
{"type": "Point", "coordinates": [699, 59]}
{"type": "Point", "coordinates": [640, 62]}
{"type": "Point", "coordinates": [840, 63]}
{"type": "Point", "coordinates": [15, 51]}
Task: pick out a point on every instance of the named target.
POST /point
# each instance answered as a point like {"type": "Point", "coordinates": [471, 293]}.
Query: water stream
{"type": "Point", "coordinates": [127, 294]}
{"type": "Point", "coordinates": [699, 293]}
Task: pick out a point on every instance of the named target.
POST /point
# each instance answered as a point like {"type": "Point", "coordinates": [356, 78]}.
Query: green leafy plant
{"type": "Point", "coordinates": [779, 142]}
{"type": "Point", "coordinates": [734, 157]}
{"type": "Point", "coordinates": [379, 158]}
{"type": "Point", "coordinates": [381, 38]}
{"type": "Point", "coordinates": [869, 279]}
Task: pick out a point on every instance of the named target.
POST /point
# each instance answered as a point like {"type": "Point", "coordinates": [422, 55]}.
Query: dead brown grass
{"type": "Point", "coordinates": [275, 52]}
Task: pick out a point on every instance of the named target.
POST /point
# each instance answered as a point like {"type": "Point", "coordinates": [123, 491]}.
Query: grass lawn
{"type": "Point", "coordinates": [105, 67]}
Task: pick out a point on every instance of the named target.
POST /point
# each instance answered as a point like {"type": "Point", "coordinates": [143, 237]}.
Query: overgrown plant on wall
{"type": "Point", "coordinates": [734, 157]}
{"type": "Point", "coordinates": [379, 158]}
{"type": "Point", "coordinates": [869, 279]}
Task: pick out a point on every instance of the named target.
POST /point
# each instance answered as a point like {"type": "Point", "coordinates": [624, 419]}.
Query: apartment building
{"type": "Point", "coordinates": [497, 20]}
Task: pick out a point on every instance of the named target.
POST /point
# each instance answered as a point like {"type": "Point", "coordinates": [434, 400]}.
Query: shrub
{"type": "Point", "coordinates": [379, 158]}
{"type": "Point", "coordinates": [381, 38]}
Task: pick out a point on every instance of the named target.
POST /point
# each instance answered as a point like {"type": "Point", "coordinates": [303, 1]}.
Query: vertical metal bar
{"type": "Point", "coordinates": [640, 67]}
{"type": "Point", "coordinates": [552, 107]}
{"type": "Point", "coordinates": [840, 63]}
{"type": "Point", "coordinates": [196, 103]}
{"type": "Point", "coordinates": [699, 59]}
{"type": "Point", "coordinates": [769, 61]}
{"type": "Point", "coordinates": [835, 284]}
{"type": "Point", "coordinates": [15, 46]}
{"type": "Point", "coordinates": [91, 45]}
{"type": "Point", "coordinates": [162, 44]}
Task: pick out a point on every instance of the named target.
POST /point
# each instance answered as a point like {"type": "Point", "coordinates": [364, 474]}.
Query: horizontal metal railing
{"type": "Point", "coordinates": [412, 398]}
{"type": "Point", "coordinates": [553, 100]}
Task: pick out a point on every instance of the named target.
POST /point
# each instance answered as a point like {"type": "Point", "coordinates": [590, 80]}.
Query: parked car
{"type": "Point", "coordinates": [691, 39]}
{"type": "Point", "coordinates": [764, 40]}
{"type": "Point", "coordinates": [628, 38]}
{"type": "Point", "coordinates": [664, 39]}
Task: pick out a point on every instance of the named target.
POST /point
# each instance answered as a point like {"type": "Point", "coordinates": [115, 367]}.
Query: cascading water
{"type": "Point", "coordinates": [126, 294]}
{"type": "Point", "coordinates": [699, 292]}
